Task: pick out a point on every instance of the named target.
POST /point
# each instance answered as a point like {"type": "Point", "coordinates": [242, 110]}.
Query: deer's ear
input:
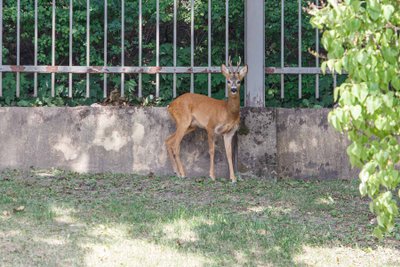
{"type": "Point", "coordinates": [243, 72]}
{"type": "Point", "coordinates": [225, 71]}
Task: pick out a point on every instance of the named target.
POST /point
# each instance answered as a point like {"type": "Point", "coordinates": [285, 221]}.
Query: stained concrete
{"type": "Point", "coordinates": [99, 139]}
{"type": "Point", "coordinates": [284, 143]}
{"type": "Point", "coordinates": [308, 147]}
{"type": "Point", "coordinates": [257, 151]}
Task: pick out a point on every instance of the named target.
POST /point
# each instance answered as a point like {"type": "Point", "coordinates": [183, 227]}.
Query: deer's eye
{"type": "Point", "coordinates": [238, 82]}
{"type": "Point", "coordinates": [229, 81]}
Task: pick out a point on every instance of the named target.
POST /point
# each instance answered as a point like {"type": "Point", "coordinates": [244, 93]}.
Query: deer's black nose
{"type": "Point", "coordinates": [233, 89]}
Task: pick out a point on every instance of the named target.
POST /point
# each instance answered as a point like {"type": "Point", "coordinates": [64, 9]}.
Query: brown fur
{"type": "Point", "coordinates": [190, 111]}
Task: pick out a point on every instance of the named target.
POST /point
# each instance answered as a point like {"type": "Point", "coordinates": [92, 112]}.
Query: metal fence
{"type": "Point", "coordinates": [254, 52]}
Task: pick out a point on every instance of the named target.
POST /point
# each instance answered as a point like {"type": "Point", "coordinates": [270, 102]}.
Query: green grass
{"type": "Point", "coordinates": [71, 219]}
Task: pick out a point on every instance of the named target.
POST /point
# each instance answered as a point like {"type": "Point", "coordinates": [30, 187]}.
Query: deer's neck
{"type": "Point", "coordinates": [233, 105]}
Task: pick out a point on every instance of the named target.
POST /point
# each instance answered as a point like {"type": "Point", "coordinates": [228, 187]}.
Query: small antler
{"type": "Point", "coordinates": [230, 65]}
{"type": "Point", "coordinates": [238, 64]}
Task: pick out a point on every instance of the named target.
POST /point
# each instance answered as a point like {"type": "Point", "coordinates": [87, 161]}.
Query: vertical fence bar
{"type": "Point", "coordinates": [209, 45]}
{"type": "Point", "coordinates": [53, 48]}
{"type": "Point", "coordinates": [192, 44]}
{"type": "Point", "coordinates": [1, 46]}
{"type": "Point", "coordinates": [282, 47]}
{"type": "Point", "coordinates": [226, 40]}
{"type": "Point", "coordinates": [18, 46]}
{"type": "Point", "coordinates": [35, 75]}
{"type": "Point", "coordinates": [317, 59]}
{"type": "Point", "coordinates": [70, 47]}
{"type": "Point", "coordinates": [105, 48]}
{"type": "Point", "coordinates": [300, 47]}
{"type": "Point", "coordinates": [87, 47]}
{"type": "Point", "coordinates": [140, 93]}
{"type": "Point", "coordinates": [174, 55]}
{"type": "Point", "coordinates": [158, 47]}
{"type": "Point", "coordinates": [254, 48]}
{"type": "Point", "coordinates": [334, 79]}
{"type": "Point", "coordinates": [122, 47]}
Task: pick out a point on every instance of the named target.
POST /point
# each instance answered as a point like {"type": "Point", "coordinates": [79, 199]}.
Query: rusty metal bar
{"type": "Point", "coordinates": [70, 46]}
{"type": "Point", "coordinates": [157, 47]}
{"type": "Point", "coordinates": [147, 70]}
{"type": "Point", "coordinates": [294, 70]}
{"type": "Point", "coordinates": [53, 47]}
{"type": "Point", "coordinates": [209, 44]}
{"type": "Point", "coordinates": [282, 47]}
{"type": "Point", "coordinates": [174, 47]}
{"type": "Point", "coordinates": [122, 47]}
{"type": "Point", "coordinates": [317, 58]}
{"type": "Point", "coordinates": [105, 48]}
{"type": "Point", "coordinates": [35, 75]}
{"type": "Point", "coordinates": [226, 40]}
{"type": "Point", "coordinates": [140, 93]}
{"type": "Point", "coordinates": [87, 47]}
{"type": "Point", "coordinates": [18, 46]}
{"type": "Point", "coordinates": [1, 46]}
{"type": "Point", "coordinates": [108, 69]}
{"type": "Point", "coordinates": [300, 47]}
{"type": "Point", "coordinates": [192, 44]}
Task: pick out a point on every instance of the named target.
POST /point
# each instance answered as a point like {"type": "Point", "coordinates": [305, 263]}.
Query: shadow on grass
{"type": "Point", "coordinates": [107, 220]}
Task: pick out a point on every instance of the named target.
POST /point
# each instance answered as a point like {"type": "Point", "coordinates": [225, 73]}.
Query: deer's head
{"type": "Point", "coordinates": [234, 77]}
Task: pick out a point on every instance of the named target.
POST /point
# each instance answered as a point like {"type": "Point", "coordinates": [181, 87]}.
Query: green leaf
{"type": "Point", "coordinates": [388, 99]}
{"type": "Point", "coordinates": [23, 103]}
{"type": "Point", "coordinates": [396, 83]}
{"type": "Point", "coordinates": [338, 66]}
{"type": "Point", "coordinates": [378, 233]}
{"type": "Point", "coordinates": [372, 103]}
{"type": "Point", "coordinates": [387, 11]}
{"type": "Point", "coordinates": [362, 57]}
{"type": "Point", "coordinates": [373, 9]}
{"type": "Point", "coordinates": [323, 67]}
{"type": "Point", "coordinates": [363, 189]}
{"type": "Point", "coordinates": [355, 111]}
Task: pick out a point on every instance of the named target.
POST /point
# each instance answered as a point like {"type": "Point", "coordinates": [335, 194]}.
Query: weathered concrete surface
{"type": "Point", "coordinates": [99, 139]}
{"type": "Point", "coordinates": [308, 147]}
{"type": "Point", "coordinates": [295, 143]}
{"type": "Point", "coordinates": [257, 150]}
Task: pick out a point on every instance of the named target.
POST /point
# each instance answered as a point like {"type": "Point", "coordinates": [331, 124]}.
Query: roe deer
{"type": "Point", "coordinates": [220, 117]}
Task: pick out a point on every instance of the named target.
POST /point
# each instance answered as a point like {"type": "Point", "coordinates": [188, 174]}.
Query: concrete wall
{"type": "Point", "coordinates": [270, 142]}
{"type": "Point", "coordinates": [308, 147]}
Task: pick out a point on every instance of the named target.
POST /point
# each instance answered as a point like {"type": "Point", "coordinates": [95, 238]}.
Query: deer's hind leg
{"type": "Point", "coordinates": [173, 154]}
{"type": "Point", "coordinates": [183, 122]}
{"type": "Point", "coordinates": [211, 150]}
{"type": "Point", "coordinates": [168, 143]}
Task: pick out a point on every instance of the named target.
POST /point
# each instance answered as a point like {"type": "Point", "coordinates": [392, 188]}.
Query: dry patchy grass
{"type": "Point", "coordinates": [55, 218]}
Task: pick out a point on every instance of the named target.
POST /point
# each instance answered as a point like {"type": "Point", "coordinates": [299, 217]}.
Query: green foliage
{"type": "Point", "coordinates": [236, 48]}
{"type": "Point", "coordinates": [362, 38]}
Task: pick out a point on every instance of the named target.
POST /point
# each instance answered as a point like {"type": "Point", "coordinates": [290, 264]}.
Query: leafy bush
{"type": "Point", "coordinates": [236, 48]}
{"type": "Point", "coordinates": [362, 38]}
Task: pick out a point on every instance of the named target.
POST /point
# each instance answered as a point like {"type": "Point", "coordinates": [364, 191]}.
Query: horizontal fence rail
{"type": "Point", "coordinates": [141, 67]}
{"type": "Point", "coordinates": [149, 70]}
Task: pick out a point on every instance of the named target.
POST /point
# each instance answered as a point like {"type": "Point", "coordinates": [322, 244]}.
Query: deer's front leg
{"type": "Point", "coordinates": [228, 149]}
{"type": "Point", "coordinates": [211, 146]}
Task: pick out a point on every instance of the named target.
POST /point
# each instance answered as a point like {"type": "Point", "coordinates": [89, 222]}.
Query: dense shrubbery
{"type": "Point", "coordinates": [362, 38]}
{"type": "Point", "coordinates": [236, 28]}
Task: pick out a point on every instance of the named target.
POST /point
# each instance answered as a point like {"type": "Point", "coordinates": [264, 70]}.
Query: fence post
{"type": "Point", "coordinates": [255, 53]}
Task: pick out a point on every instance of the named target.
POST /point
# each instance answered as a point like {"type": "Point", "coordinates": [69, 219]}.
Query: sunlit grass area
{"type": "Point", "coordinates": [56, 218]}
